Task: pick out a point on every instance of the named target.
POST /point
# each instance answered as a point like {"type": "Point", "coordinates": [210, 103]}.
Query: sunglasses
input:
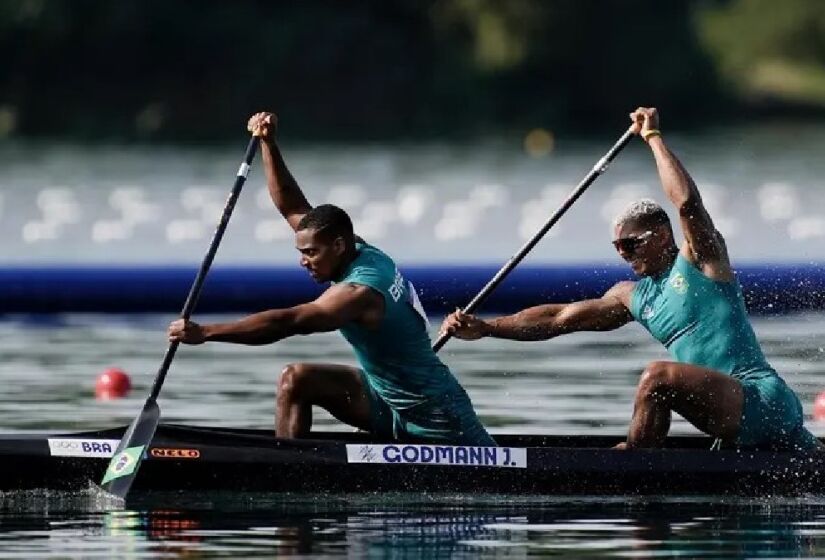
{"type": "Point", "coordinates": [630, 244]}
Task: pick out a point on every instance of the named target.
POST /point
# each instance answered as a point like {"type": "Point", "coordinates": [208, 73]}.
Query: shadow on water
{"type": "Point", "coordinates": [406, 526]}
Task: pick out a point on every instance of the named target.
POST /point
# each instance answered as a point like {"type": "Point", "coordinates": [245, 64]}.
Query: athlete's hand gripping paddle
{"type": "Point", "coordinates": [597, 170]}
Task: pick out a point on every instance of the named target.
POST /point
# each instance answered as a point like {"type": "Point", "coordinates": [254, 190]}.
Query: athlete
{"type": "Point", "coordinates": [402, 390]}
{"type": "Point", "coordinates": [689, 300]}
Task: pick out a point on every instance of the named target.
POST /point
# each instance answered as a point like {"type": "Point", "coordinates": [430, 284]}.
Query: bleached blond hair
{"type": "Point", "coordinates": [644, 212]}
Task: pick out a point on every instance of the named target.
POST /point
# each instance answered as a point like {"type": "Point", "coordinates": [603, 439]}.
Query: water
{"type": "Point", "coordinates": [407, 527]}
{"type": "Point", "coordinates": [579, 384]}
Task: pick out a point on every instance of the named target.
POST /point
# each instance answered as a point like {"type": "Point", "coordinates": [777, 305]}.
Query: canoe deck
{"type": "Point", "coordinates": [226, 459]}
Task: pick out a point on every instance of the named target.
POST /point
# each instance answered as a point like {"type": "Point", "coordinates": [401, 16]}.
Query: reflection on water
{"type": "Point", "coordinates": [401, 526]}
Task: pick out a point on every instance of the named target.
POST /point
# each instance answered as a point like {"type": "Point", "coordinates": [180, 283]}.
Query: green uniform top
{"type": "Point", "coordinates": [700, 321]}
{"type": "Point", "coordinates": [396, 357]}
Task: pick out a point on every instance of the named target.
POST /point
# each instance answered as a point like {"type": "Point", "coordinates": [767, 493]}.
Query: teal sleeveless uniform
{"type": "Point", "coordinates": [704, 322]}
{"type": "Point", "coordinates": [413, 395]}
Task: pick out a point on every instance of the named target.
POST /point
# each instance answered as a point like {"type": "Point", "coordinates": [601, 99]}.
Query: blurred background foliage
{"type": "Point", "coordinates": [178, 70]}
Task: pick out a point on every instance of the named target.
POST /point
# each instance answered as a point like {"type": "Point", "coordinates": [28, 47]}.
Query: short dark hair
{"type": "Point", "coordinates": [329, 221]}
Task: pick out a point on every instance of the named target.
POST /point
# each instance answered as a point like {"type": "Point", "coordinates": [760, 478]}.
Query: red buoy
{"type": "Point", "coordinates": [819, 406]}
{"type": "Point", "coordinates": [112, 384]}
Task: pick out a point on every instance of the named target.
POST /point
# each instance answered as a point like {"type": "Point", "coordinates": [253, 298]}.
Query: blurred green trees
{"type": "Point", "coordinates": [374, 69]}
{"type": "Point", "coordinates": [768, 52]}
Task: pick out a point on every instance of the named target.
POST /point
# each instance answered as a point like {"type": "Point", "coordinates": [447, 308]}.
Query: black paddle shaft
{"type": "Point", "coordinates": [126, 460]}
{"type": "Point", "coordinates": [485, 292]}
{"type": "Point", "coordinates": [197, 286]}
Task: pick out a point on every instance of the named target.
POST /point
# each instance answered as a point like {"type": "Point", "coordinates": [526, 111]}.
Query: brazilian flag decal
{"type": "Point", "coordinates": [124, 463]}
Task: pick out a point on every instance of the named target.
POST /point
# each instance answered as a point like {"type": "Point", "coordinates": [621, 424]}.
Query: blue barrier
{"type": "Point", "coordinates": [780, 288]}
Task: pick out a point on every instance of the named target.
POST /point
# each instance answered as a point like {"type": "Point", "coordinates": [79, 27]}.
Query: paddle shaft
{"type": "Point", "coordinates": [485, 292]}
{"type": "Point", "coordinates": [126, 460]}
{"type": "Point", "coordinates": [197, 285]}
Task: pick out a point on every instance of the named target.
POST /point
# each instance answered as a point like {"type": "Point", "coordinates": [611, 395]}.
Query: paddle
{"type": "Point", "coordinates": [597, 170]}
{"type": "Point", "coordinates": [123, 467]}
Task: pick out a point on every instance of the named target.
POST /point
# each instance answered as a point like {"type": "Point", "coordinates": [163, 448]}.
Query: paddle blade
{"type": "Point", "coordinates": [123, 467]}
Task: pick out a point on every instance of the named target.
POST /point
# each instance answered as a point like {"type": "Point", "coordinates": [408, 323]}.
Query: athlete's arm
{"type": "Point", "coordinates": [336, 307]}
{"type": "Point", "coordinates": [283, 188]}
{"type": "Point", "coordinates": [544, 322]}
{"type": "Point", "coordinates": [704, 245]}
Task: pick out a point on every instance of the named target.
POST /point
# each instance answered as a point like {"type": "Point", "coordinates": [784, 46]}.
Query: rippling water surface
{"type": "Point", "coordinates": [579, 384]}
{"type": "Point", "coordinates": [262, 526]}
{"type": "Point", "coordinates": [576, 384]}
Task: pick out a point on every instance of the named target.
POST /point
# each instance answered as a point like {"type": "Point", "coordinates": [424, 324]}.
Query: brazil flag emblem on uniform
{"type": "Point", "coordinates": [678, 283]}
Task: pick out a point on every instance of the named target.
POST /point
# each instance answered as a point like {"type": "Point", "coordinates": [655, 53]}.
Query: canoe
{"type": "Point", "coordinates": [229, 459]}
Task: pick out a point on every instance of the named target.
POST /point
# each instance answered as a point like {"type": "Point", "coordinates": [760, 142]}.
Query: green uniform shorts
{"type": "Point", "coordinates": [772, 416]}
{"type": "Point", "coordinates": [448, 419]}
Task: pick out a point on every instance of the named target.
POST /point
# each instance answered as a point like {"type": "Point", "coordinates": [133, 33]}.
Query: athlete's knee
{"type": "Point", "coordinates": [292, 381]}
{"type": "Point", "coordinates": [656, 381]}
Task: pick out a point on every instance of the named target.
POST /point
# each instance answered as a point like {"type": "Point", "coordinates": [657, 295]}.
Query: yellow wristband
{"type": "Point", "coordinates": [647, 135]}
